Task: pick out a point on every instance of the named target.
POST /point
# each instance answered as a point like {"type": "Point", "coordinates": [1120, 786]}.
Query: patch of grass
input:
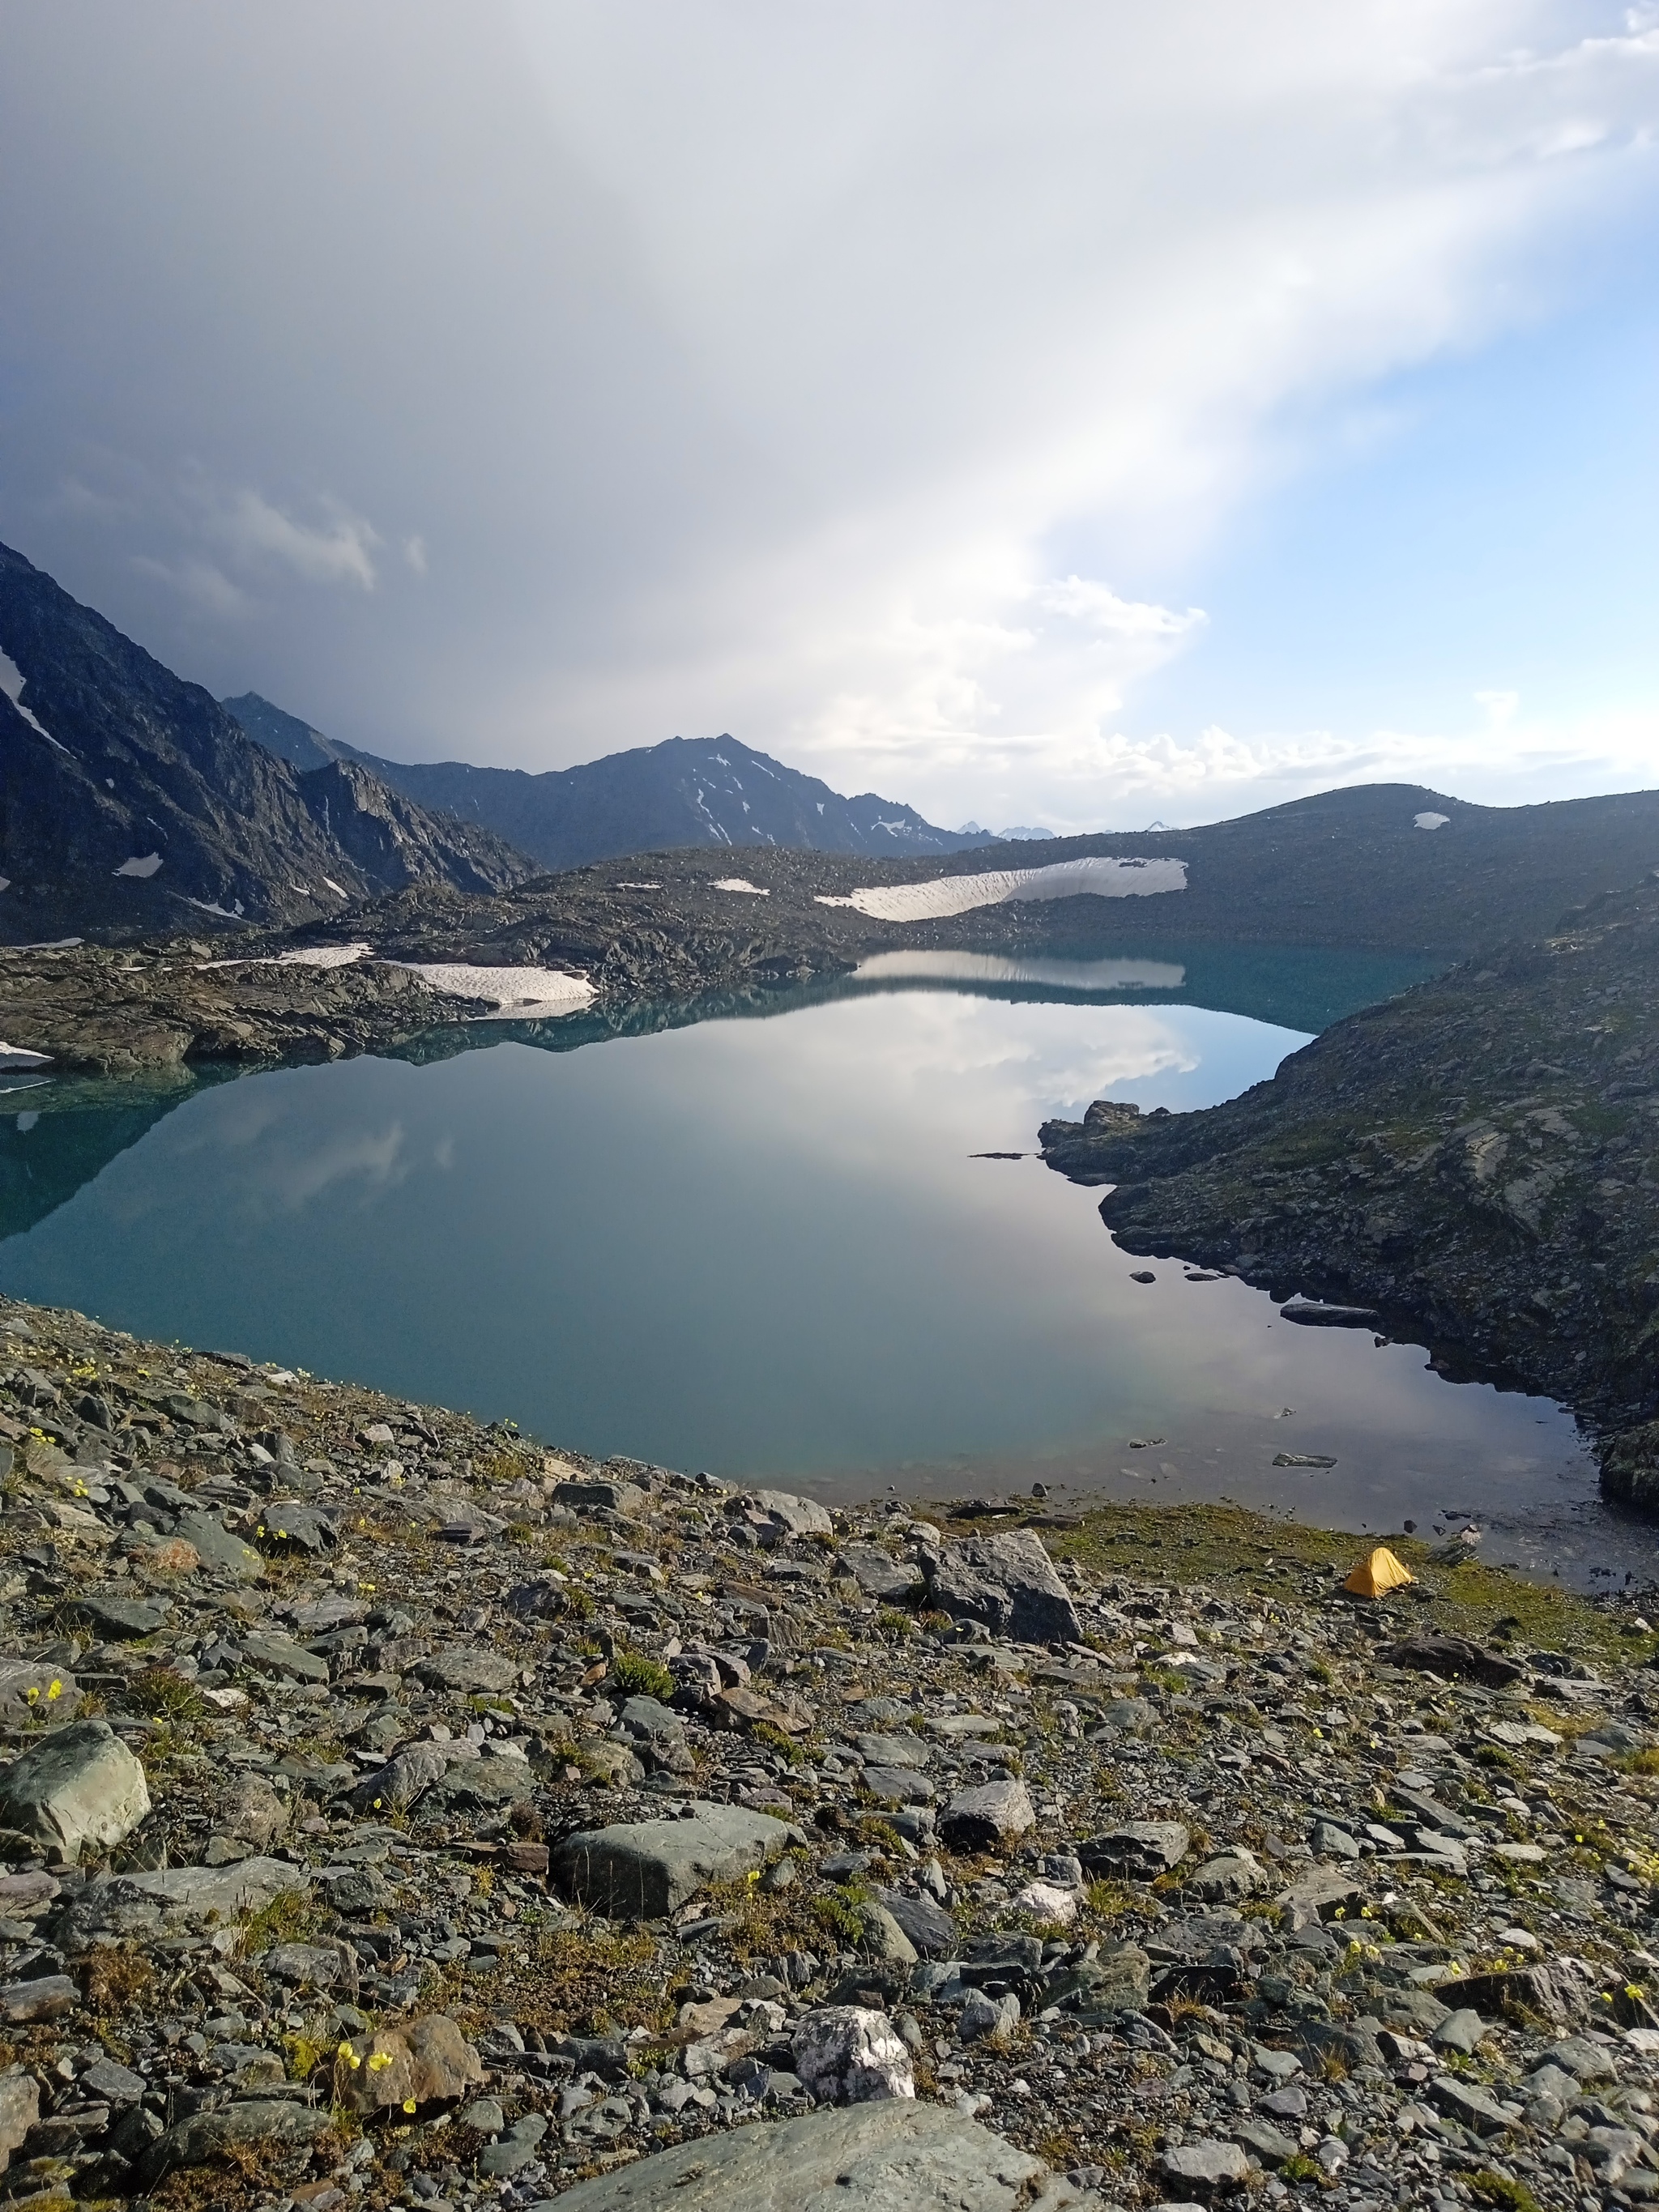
{"type": "Point", "coordinates": [119, 1979]}
{"type": "Point", "coordinates": [290, 1918]}
{"type": "Point", "coordinates": [1229, 1546]}
{"type": "Point", "coordinates": [168, 1696]}
{"type": "Point", "coordinates": [1496, 2189]}
{"type": "Point", "coordinates": [1642, 1762]}
{"type": "Point", "coordinates": [893, 1627]}
{"type": "Point", "coordinates": [640, 1677]}
{"type": "Point", "coordinates": [1300, 2167]}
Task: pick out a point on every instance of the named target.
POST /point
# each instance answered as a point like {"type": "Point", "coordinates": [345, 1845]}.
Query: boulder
{"type": "Point", "coordinates": [20, 2109]}
{"type": "Point", "coordinates": [641, 1869]}
{"type": "Point", "coordinates": [258, 2122]}
{"type": "Point", "coordinates": [992, 1817]}
{"type": "Point", "coordinates": [930, 1928]}
{"type": "Point", "coordinates": [286, 1525]}
{"type": "Point", "coordinates": [1140, 1850]}
{"type": "Point", "coordinates": [596, 1497]}
{"type": "Point", "coordinates": [847, 2055]}
{"type": "Point", "coordinates": [78, 1785]}
{"type": "Point", "coordinates": [27, 1688]}
{"type": "Point", "coordinates": [117, 1619]}
{"type": "Point", "coordinates": [1209, 2167]}
{"type": "Point", "coordinates": [1227, 1877]}
{"type": "Point", "coordinates": [427, 2062]}
{"type": "Point", "coordinates": [394, 1787]}
{"type": "Point", "coordinates": [43, 1998]}
{"type": "Point", "coordinates": [218, 1550]}
{"type": "Point", "coordinates": [1453, 1658]}
{"type": "Point", "coordinates": [142, 1904]}
{"type": "Point", "coordinates": [1005, 1582]}
{"type": "Point", "coordinates": [893, 2155]}
{"type": "Point", "coordinates": [788, 1514]}
{"type": "Point", "coordinates": [879, 1576]}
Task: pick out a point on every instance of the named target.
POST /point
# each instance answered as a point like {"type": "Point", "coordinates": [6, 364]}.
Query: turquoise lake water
{"type": "Point", "coordinates": [757, 1242]}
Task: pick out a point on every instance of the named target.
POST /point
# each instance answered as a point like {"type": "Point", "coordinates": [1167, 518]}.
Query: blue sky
{"type": "Point", "coordinates": [1481, 525]}
{"type": "Point", "coordinates": [1065, 411]}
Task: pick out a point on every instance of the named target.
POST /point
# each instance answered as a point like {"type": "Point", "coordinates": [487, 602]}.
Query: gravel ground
{"type": "Point", "coordinates": [1162, 1857]}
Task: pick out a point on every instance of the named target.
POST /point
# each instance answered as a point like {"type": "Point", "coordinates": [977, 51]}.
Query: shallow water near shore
{"type": "Point", "coordinates": [765, 1247]}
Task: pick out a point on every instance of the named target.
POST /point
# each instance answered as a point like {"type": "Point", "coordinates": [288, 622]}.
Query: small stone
{"type": "Point", "coordinates": [484, 2116]}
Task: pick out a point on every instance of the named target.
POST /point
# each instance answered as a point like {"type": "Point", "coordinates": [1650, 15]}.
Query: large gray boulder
{"type": "Point", "coordinates": [1007, 1584]}
{"type": "Point", "coordinates": [641, 1869]}
{"type": "Point", "coordinates": [77, 1786]}
{"type": "Point", "coordinates": [778, 1514]}
{"type": "Point", "coordinates": [896, 2155]}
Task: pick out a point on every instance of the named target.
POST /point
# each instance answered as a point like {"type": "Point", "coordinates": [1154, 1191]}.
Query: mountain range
{"type": "Point", "coordinates": [132, 804]}
{"type": "Point", "coordinates": [654, 799]}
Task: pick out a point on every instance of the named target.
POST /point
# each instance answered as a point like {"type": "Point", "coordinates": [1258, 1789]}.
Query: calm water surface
{"type": "Point", "coordinates": [763, 1246]}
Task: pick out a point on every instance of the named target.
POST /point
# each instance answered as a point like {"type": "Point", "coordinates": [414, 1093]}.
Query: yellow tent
{"type": "Point", "coordinates": [1378, 1575]}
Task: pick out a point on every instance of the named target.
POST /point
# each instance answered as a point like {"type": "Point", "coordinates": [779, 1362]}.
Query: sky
{"type": "Point", "coordinates": [1061, 411]}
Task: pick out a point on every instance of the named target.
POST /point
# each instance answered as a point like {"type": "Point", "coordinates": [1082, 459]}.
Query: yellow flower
{"type": "Point", "coordinates": [409, 2104]}
{"type": "Point", "coordinates": [380, 2061]}
{"type": "Point", "coordinates": [32, 1692]}
{"type": "Point", "coordinates": [56, 1691]}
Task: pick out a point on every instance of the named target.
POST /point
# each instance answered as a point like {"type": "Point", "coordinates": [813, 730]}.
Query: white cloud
{"type": "Point", "coordinates": [339, 550]}
{"type": "Point", "coordinates": [1500, 707]}
{"type": "Point", "coordinates": [862, 379]}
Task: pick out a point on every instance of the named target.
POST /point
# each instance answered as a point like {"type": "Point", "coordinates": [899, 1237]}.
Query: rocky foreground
{"type": "Point", "coordinates": [398, 1812]}
{"type": "Point", "coordinates": [1476, 1161]}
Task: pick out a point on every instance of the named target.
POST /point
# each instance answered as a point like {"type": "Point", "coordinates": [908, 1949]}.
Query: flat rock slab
{"type": "Point", "coordinates": [641, 1869]}
{"type": "Point", "coordinates": [276, 2123]}
{"type": "Point", "coordinates": [119, 1619]}
{"type": "Point", "coordinates": [79, 1785]}
{"type": "Point", "coordinates": [469, 1672]}
{"type": "Point", "coordinates": [891, 2157]}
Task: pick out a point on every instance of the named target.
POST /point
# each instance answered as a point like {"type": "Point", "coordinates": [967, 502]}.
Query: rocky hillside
{"type": "Point", "coordinates": [131, 803]}
{"type": "Point", "coordinates": [1478, 1160]}
{"type": "Point", "coordinates": [395, 1812]}
{"type": "Point", "coordinates": [684, 791]}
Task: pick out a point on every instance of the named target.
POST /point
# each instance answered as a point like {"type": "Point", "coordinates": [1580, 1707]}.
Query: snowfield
{"type": "Point", "coordinates": [947, 894]}
{"type": "Point", "coordinates": [520, 995]}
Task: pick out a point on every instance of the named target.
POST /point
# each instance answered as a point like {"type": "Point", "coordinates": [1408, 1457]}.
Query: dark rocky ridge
{"type": "Point", "coordinates": [1477, 1158]}
{"type": "Point", "coordinates": [686, 790]}
{"type": "Point", "coordinates": [110, 762]}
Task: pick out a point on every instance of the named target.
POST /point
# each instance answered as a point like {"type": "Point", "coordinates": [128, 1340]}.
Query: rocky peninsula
{"type": "Point", "coordinates": [1471, 1165]}
{"type": "Point", "coordinates": [397, 1810]}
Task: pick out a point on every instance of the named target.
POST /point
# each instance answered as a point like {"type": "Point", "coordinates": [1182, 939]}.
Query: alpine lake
{"type": "Point", "coordinates": [801, 1239]}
